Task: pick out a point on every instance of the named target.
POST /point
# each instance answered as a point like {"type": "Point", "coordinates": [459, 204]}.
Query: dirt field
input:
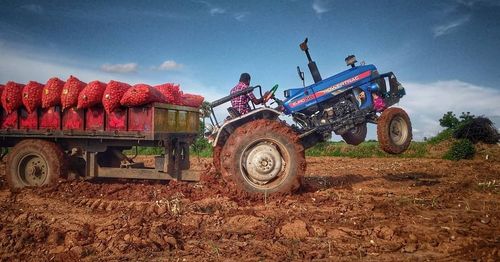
{"type": "Point", "coordinates": [374, 209]}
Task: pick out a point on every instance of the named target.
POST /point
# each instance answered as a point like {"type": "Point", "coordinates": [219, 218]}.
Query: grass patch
{"type": "Point", "coordinates": [336, 149]}
{"type": "Point", "coordinates": [364, 150]}
{"type": "Point", "coordinates": [142, 150]}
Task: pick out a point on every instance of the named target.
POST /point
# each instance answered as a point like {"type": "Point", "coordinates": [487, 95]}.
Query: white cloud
{"type": "Point", "coordinates": [241, 16]}
{"type": "Point", "coordinates": [450, 26]}
{"type": "Point", "coordinates": [212, 9]}
{"type": "Point", "coordinates": [426, 103]}
{"type": "Point", "coordinates": [472, 3]}
{"type": "Point", "coordinates": [33, 8]}
{"type": "Point", "coordinates": [217, 11]}
{"type": "Point", "coordinates": [119, 68]}
{"type": "Point", "coordinates": [321, 6]}
{"type": "Point", "coordinates": [169, 65]}
{"type": "Point", "coordinates": [24, 67]}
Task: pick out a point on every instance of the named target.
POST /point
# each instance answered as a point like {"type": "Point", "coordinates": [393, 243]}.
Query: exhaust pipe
{"type": "Point", "coordinates": [312, 65]}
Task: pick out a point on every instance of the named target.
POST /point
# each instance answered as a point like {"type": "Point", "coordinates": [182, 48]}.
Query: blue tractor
{"type": "Point", "coordinates": [261, 153]}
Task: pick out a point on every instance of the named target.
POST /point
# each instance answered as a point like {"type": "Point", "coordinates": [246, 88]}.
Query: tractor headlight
{"type": "Point", "coordinates": [374, 87]}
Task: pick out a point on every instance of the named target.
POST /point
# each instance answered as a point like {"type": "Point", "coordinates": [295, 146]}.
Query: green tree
{"type": "Point", "coordinates": [466, 117]}
{"type": "Point", "coordinates": [201, 146]}
{"type": "Point", "coordinates": [449, 120]}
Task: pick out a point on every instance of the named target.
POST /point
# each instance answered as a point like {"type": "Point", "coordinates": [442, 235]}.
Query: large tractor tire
{"type": "Point", "coordinates": [356, 135]}
{"type": "Point", "coordinates": [394, 130]}
{"type": "Point", "coordinates": [35, 162]}
{"type": "Point", "coordinates": [264, 157]}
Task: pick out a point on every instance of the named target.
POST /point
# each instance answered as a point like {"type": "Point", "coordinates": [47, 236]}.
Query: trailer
{"type": "Point", "coordinates": [48, 144]}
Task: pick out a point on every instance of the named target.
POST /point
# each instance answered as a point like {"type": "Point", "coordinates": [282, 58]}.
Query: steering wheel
{"type": "Point", "coordinates": [269, 94]}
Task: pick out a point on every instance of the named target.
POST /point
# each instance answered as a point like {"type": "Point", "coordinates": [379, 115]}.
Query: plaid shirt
{"type": "Point", "coordinates": [240, 103]}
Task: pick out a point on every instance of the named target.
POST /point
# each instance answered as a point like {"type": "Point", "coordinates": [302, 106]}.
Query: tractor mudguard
{"type": "Point", "coordinates": [231, 125]}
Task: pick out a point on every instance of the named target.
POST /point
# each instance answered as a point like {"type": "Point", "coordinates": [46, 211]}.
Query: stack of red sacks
{"type": "Point", "coordinates": [74, 92]}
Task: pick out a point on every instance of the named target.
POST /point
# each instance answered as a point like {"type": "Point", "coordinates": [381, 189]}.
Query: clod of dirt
{"type": "Point", "coordinates": [383, 232]}
{"type": "Point", "coordinates": [242, 224]}
{"type": "Point", "coordinates": [55, 238]}
{"type": "Point", "coordinates": [294, 230]}
{"type": "Point", "coordinates": [410, 248]}
{"type": "Point", "coordinates": [318, 231]}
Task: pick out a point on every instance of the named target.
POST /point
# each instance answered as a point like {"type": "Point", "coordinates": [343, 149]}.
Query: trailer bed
{"type": "Point", "coordinates": [136, 125]}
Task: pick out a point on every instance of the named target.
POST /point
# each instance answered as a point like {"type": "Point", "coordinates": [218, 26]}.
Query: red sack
{"type": "Point", "coordinates": [171, 93]}
{"type": "Point", "coordinates": [2, 87]}
{"type": "Point", "coordinates": [51, 95]}
{"type": "Point", "coordinates": [12, 96]}
{"type": "Point", "coordinates": [91, 95]}
{"type": "Point", "coordinates": [70, 92]}
{"type": "Point", "coordinates": [192, 100]}
{"type": "Point", "coordinates": [32, 96]}
{"type": "Point", "coordinates": [141, 94]}
{"type": "Point", "coordinates": [113, 94]}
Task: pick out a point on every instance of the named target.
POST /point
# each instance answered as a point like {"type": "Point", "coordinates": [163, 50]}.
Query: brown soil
{"type": "Point", "coordinates": [378, 209]}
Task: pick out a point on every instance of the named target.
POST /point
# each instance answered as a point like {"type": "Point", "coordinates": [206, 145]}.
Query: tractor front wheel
{"type": "Point", "coordinates": [394, 130]}
{"type": "Point", "coordinates": [356, 135]}
{"type": "Point", "coordinates": [264, 156]}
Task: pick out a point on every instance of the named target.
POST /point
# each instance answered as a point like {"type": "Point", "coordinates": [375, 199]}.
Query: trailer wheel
{"type": "Point", "coordinates": [394, 130]}
{"type": "Point", "coordinates": [35, 162]}
{"type": "Point", "coordinates": [264, 156]}
{"type": "Point", "coordinates": [356, 135]}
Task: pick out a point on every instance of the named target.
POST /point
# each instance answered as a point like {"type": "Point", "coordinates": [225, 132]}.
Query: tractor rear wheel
{"type": "Point", "coordinates": [35, 162]}
{"type": "Point", "coordinates": [264, 156]}
{"type": "Point", "coordinates": [356, 135]}
{"type": "Point", "coordinates": [394, 130]}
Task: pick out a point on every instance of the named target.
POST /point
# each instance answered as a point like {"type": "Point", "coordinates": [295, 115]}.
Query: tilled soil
{"type": "Point", "coordinates": [376, 209]}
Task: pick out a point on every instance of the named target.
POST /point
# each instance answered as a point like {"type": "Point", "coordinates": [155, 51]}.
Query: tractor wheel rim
{"type": "Point", "coordinates": [263, 163]}
{"type": "Point", "coordinates": [32, 170]}
{"type": "Point", "coordinates": [398, 130]}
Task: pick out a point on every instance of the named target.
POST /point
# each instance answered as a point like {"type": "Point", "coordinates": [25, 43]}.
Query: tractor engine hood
{"type": "Point", "coordinates": [297, 99]}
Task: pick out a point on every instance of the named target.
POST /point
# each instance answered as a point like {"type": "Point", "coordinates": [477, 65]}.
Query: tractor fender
{"type": "Point", "coordinates": [230, 125]}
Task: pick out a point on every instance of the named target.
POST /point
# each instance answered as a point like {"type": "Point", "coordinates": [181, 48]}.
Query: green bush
{"type": "Point", "coordinates": [201, 147]}
{"type": "Point", "coordinates": [461, 149]}
{"type": "Point", "coordinates": [441, 136]}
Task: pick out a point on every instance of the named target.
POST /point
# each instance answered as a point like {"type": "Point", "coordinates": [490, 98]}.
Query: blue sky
{"type": "Point", "coordinates": [445, 52]}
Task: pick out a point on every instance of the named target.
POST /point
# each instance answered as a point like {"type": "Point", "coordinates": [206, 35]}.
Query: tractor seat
{"type": "Point", "coordinates": [233, 113]}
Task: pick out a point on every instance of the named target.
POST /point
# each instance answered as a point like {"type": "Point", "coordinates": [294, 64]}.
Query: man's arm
{"type": "Point", "coordinates": [254, 99]}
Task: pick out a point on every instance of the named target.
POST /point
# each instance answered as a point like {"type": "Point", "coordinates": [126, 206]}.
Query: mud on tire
{"type": "Point", "coordinates": [264, 156]}
{"type": "Point", "coordinates": [216, 157]}
{"type": "Point", "coordinates": [35, 162]}
{"type": "Point", "coordinates": [394, 130]}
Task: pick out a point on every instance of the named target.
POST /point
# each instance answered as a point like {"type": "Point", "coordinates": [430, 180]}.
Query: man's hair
{"type": "Point", "coordinates": [245, 78]}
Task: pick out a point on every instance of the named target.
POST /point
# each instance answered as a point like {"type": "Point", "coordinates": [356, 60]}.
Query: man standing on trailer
{"type": "Point", "coordinates": [240, 103]}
